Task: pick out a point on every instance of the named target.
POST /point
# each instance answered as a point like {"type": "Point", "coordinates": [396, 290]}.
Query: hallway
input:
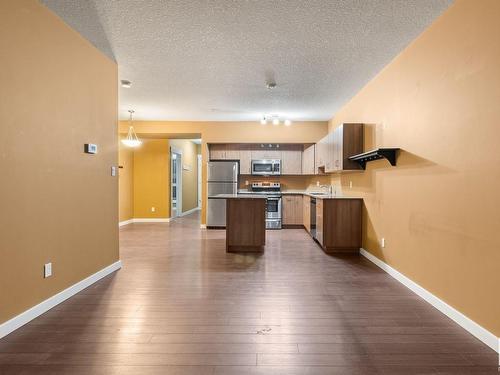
{"type": "Point", "coordinates": [181, 305]}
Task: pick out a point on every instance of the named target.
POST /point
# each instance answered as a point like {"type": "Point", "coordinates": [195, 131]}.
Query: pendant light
{"type": "Point", "coordinates": [131, 140]}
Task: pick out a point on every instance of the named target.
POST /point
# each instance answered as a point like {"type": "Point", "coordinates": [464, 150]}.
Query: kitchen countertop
{"type": "Point", "coordinates": [320, 195]}
{"type": "Point", "coordinates": [317, 195]}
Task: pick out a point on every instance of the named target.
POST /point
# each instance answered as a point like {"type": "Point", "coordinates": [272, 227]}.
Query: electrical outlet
{"type": "Point", "coordinates": [153, 209]}
{"type": "Point", "coordinates": [246, 183]}
{"type": "Point", "coordinates": [47, 270]}
{"type": "Point", "coordinates": [350, 184]}
{"type": "Point", "coordinates": [317, 183]}
{"type": "Point", "coordinates": [382, 242]}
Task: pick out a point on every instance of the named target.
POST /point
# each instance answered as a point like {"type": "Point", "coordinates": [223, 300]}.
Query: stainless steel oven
{"type": "Point", "coordinates": [266, 167]}
{"type": "Point", "coordinates": [273, 212]}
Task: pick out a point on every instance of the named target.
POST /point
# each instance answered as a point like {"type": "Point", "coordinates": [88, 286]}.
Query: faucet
{"type": "Point", "coordinates": [331, 189]}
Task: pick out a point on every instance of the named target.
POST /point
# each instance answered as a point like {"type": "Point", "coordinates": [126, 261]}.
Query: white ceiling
{"type": "Point", "coordinates": [209, 60]}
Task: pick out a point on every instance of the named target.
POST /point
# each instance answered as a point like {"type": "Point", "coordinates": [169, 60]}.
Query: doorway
{"type": "Point", "coordinates": [199, 180]}
{"type": "Point", "coordinates": [175, 183]}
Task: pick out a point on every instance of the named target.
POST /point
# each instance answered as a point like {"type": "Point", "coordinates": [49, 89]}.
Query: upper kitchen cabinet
{"type": "Point", "coordinates": [308, 159]}
{"type": "Point", "coordinates": [291, 160]}
{"type": "Point", "coordinates": [321, 155]}
{"type": "Point", "coordinates": [245, 160]}
{"type": "Point", "coordinates": [225, 151]}
{"type": "Point", "coordinates": [217, 151]}
{"type": "Point", "coordinates": [232, 152]}
{"type": "Point", "coordinates": [266, 154]}
{"type": "Point", "coordinates": [344, 141]}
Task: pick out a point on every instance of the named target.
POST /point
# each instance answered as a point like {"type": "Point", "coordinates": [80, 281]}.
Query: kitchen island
{"type": "Point", "coordinates": [245, 222]}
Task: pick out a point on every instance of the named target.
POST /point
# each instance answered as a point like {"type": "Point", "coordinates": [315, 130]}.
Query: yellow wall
{"type": "Point", "coordinates": [57, 204]}
{"type": "Point", "coordinates": [222, 132]}
{"type": "Point", "coordinates": [152, 179]}
{"type": "Point", "coordinates": [189, 175]}
{"type": "Point", "coordinates": [126, 182]}
{"type": "Point", "coordinates": [439, 208]}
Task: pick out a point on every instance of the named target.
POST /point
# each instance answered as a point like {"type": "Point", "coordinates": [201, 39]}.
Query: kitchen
{"type": "Point", "coordinates": [272, 171]}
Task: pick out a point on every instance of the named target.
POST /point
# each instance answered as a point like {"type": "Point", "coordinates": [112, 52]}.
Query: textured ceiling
{"type": "Point", "coordinates": [209, 60]}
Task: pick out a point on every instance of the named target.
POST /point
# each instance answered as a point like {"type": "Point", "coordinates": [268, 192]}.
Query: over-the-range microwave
{"type": "Point", "coordinates": [266, 167]}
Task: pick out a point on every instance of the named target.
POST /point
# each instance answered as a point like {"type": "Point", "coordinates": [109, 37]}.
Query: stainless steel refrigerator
{"type": "Point", "coordinates": [222, 178]}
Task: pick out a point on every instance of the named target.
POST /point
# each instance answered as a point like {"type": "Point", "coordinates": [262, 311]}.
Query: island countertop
{"type": "Point", "coordinates": [238, 196]}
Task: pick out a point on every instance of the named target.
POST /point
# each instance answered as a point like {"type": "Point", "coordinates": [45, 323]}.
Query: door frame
{"type": "Point", "coordinates": [199, 181]}
{"type": "Point", "coordinates": [178, 161]}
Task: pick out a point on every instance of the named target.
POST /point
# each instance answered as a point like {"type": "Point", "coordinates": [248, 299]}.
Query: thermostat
{"type": "Point", "coordinates": [90, 148]}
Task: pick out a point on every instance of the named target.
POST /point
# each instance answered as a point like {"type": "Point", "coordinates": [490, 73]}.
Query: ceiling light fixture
{"type": "Point", "coordinates": [125, 83]}
{"type": "Point", "coordinates": [275, 120]}
{"type": "Point", "coordinates": [132, 140]}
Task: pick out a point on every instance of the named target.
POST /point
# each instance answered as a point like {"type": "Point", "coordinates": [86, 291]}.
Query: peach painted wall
{"type": "Point", "coordinates": [58, 204]}
{"type": "Point", "coordinates": [222, 132]}
{"type": "Point", "coordinates": [439, 209]}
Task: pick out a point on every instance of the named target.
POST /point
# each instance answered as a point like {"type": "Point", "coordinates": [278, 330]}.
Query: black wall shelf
{"type": "Point", "coordinates": [379, 153]}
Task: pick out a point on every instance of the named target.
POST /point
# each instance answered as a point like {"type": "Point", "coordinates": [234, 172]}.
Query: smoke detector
{"type": "Point", "coordinates": [126, 83]}
{"type": "Point", "coordinates": [271, 85]}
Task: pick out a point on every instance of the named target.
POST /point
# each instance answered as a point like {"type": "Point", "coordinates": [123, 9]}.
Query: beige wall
{"type": "Point", "coordinates": [126, 182]}
{"type": "Point", "coordinates": [221, 132]}
{"type": "Point", "coordinates": [57, 204]}
{"type": "Point", "coordinates": [439, 208]}
{"type": "Point", "coordinates": [189, 172]}
{"type": "Point", "coordinates": [152, 179]}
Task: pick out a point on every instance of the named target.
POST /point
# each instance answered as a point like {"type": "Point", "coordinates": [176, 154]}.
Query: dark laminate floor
{"type": "Point", "coordinates": [181, 305]}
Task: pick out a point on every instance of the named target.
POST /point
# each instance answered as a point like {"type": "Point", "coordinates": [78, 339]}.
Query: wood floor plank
{"type": "Point", "coordinates": [182, 305]}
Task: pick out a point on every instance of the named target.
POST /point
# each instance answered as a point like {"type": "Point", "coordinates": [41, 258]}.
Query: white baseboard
{"type": "Point", "coordinates": [145, 220]}
{"type": "Point", "coordinates": [122, 223]}
{"type": "Point", "coordinates": [189, 211]}
{"type": "Point", "coordinates": [30, 314]}
{"type": "Point", "coordinates": [469, 325]}
{"type": "Point", "coordinates": [151, 220]}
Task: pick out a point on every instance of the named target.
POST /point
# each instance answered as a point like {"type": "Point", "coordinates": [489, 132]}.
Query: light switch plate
{"type": "Point", "coordinates": [113, 171]}
{"type": "Point", "coordinates": [90, 148]}
{"type": "Point", "coordinates": [47, 270]}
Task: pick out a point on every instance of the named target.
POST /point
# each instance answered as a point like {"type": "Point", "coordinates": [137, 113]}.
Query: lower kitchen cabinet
{"type": "Point", "coordinates": [292, 210]}
{"type": "Point", "coordinates": [338, 224]}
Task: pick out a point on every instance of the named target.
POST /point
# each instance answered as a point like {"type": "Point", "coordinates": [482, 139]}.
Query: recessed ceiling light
{"type": "Point", "coordinates": [263, 120]}
{"type": "Point", "coordinates": [288, 122]}
{"type": "Point", "coordinates": [126, 84]}
{"type": "Point", "coordinates": [276, 121]}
